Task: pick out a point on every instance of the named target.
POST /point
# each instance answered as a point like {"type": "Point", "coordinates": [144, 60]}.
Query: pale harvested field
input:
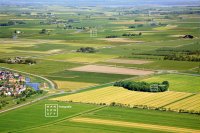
{"type": "Point", "coordinates": [113, 70]}
{"type": "Point", "coordinates": [25, 19]}
{"type": "Point", "coordinates": [28, 41]}
{"type": "Point", "coordinates": [119, 40]}
{"type": "Point", "coordinates": [128, 22]}
{"type": "Point", "coordinates": [134, 125]}
{"type": "Point", "coordinates": [187, 22]}
{"type": "Point", "coordinates": [168, 27]}
{"type": "Point", "coordinates": [123, 96]}
{"type": "Point", "coordinates": [125, 61]}
{"type": "Point", "coordinates": [191, 103]}
{"type": "Point", "coordinates": [39, 29]}
{"type": "Point", "coordinates": [68, 85]}
{"type": "Point", "coordinates": [177, 36]}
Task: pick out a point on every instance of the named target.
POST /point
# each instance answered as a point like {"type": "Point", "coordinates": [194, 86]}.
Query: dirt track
{"type": "Point", "coordinates": [125, 40]}
{"type": "Point", "coordinates": [111, 70]}
{"type": "Point", "coordinates": [134, 125]}
{"type": "Point", "coordinates": [124, 61]}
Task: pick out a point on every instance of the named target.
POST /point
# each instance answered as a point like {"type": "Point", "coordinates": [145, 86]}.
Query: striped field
{"type": "Point", "coordinates": [133, 125]}
{"type": "Point", "coordinates": [189, 104]}
{"type": "Point", "coordinates": [112, 94]}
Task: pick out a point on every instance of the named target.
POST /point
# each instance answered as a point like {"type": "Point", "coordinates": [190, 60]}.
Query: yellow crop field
{"type": "Point", "coordinates": [68, 85]}
{"type": "Point", "coordinates": [123, 96]}
{"type": "Point", "coordinates": [132, 125]}
{"type": "Point", "coordinates": [190, 104]}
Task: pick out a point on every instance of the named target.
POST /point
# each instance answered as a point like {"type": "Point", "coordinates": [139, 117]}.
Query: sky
{"type": "Point", "coordinates": [105, 2]}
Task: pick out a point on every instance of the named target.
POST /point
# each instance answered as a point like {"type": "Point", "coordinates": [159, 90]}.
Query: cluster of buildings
{"type": "Point", "coordinates": [12, 84]}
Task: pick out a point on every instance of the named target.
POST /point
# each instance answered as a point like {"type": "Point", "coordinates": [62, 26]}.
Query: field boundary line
{"type": "Point", "coordinates": [178, 100]}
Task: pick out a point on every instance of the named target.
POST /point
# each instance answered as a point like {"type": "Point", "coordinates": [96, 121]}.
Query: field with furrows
{"type": "Point", "coordinates": [119, 95]}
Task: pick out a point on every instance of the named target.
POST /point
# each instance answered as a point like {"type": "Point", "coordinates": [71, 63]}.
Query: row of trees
{"type": "Point", "coordinates": [112, 36]}
{"type": "Point", "coordinates": [129, 34]}
{"type": "Point", "coordinates": [143, 86]}
{"type": "Point", "coordinates": [10, 23]}
{"type": "Point", "coordinates": [182, 58]}
{"type": "Point", "coordinates": [152, 108]}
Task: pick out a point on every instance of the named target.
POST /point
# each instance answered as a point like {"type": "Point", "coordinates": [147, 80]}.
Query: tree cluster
{"type": "Point", "coordinates": [86, 50]}
{"type": "Point", "coordinates": [29, 91]}
{"type": "Point", "coordinates": [26, 94]}
{"type": "Point", "coordinates": [143, 86]}
{"type": "Point", "coordinates": [18, 60]}
{"type": "Point", "coordinates": [43, 31]}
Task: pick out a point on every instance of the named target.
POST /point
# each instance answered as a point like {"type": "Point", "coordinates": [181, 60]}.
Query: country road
{"type": "Point", "coordinates": [35, 100]}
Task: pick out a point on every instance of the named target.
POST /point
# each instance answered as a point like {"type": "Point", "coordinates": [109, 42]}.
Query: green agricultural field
{"type": "Point", "coordinates": [157, 36]}
{"type": "Point", "coordinates": [43, 67]}
{"type": "Point", "coordinates": [147, 116]}
{"type": "Point", "coordinates": [88, 128]}
{"type": "Point", "coordinates": [63, 122]}
{"type": "Point", "coordinates": [178, 82]}
{"type": "Point", "coordinates": [81, 57]}
{"type": "Point", "coordinates": [182, 66]}
{"type": "Point", "coordinates": [87, 77]}
{"type": "Point", "coordinates": [34, 115]}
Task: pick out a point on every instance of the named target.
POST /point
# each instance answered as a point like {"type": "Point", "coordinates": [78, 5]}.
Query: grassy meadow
{"type": "Point", "coordinates": [52, 35]}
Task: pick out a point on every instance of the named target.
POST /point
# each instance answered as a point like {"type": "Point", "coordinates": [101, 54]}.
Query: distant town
{"type": "Point", "coordinates": [13, 84]}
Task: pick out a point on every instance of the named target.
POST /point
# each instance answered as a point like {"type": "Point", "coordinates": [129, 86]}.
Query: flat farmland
{"type": "Point", "coordinates": [69, 86]}
{"type": "Point", "coordinates": [120, 95]}
{"type": "Point", "coordinates": [135, 43]}
{"type": "Point", "coordinates": [34, 115]}
{"type": "Point", "coordinates": [189, 104]}
{"type": "Point", "coordinates": [81, 57]}
{"type": "Point", "coordinates": [178, 82]}
{"type": "Point", "coordinates": [88, 77]}
{"type": "Point", "coordinates": [135, 125]}
{"type": "Point", "coordinates": [111, 70]}
{"type": "Point", "coordinates": [126, 61]}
